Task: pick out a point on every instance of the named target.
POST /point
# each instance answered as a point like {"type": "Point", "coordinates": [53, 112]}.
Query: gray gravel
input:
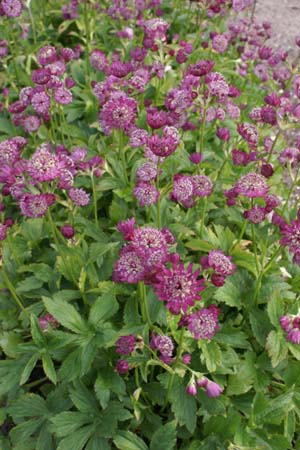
{"type": "Point", "coordinates": [285, 18]}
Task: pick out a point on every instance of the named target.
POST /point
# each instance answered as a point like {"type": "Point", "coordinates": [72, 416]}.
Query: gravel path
{"type": "Point", "coordinates": [285, 18]}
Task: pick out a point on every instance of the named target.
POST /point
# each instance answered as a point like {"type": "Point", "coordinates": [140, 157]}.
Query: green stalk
{"type": "Point", "coordinates": [243, 229]}
{"type": "Point", "coordinates": [144, 305]}
{"type": "Point", "coordinates": [171, 379]}
{"type": "Point", "coordinates": [290, 191]}
{"type": "Point", "coordinates": [203, 212]}
{"type": "Point", "coordinates": [273, 146]}
{"type": "Point", "coordinates": [87, 37]}
{"type": "Point", "coordinates": [123, 157]}
{"type": "Point", "coordinates": [255, 249]}
{"type": "Point", "coordinates": [14, 294]}
{"type": "Point", "coordinates": [32, 24]}
{"type": "Point", "coordinates": [12, 52]}
{"type": "Point", "coordinates": [159, 197]}
{"type": "Point", "coordinates": [94, 200]}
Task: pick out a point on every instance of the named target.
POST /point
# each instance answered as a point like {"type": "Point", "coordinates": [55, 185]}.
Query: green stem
{"type": "Point", "coordinates": [53, 229]}
{"type": "Point", "coordinates": [290, 191]}
{"type": "Point", "coordinates": [94, 200]}
{"type": "Point", "coordinates": [13, 292]}
{"type": "Point", "coordinates": [87, 37]}
{"type": "Point", "coordinates": [273, 145]}
{"type": "Point", "coordinates": [32, 24]}
{"type": "Point", "coordinates": [144, 305]}
{"type": "Point", "coordinates": [243, 229]}
{"type": "Point", "coordinates": [12, 51]}
{"type": "Point", "coordinates": [123, 157]}
{"type": "Point", "coordinates": [178, 356]}
{"type": "Point", "coordinates": [203, 212]}
{"type": "Point", "coordinates": [255, 249]}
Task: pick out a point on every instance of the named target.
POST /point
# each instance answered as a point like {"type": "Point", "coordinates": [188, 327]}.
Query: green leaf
{"type": "Point", "coordinates": [199, 245]}
{"type": "Point", "coordinates": [6, 127]}
{"type": "Point", "coordinates": [243, 380]}
{"type": "Point", "coordinates": [29, 368]}
{"type": "Point", "coordinates": [237, 289]}
{"type": "Point", "coordinates": [104, 308]}
{"type": "Point", "coordinates": [183, 405]}
{"type": "Point", "coordinates": [68, 422]}
{"type": "Point", "coordinates": [28, 405]}
{"type": "Point", "coordinates": [77, 440]}
{"type": "Point", "coordinates": [36, 332]}
{"type": "Point", "coordinates": [66, 315]}
{"type": "Point", "coordinates": [260, 325]}
{"type": "Point", "coordinates": [164, 438]}
{"type": "Point", "coordinates": [211, 354]}
{"type": "Point", "coordinates": [23, 431]}
{"type": "Point", "coordinates": [294, 349]}
{"type": "Point", "coordinates": [275, 308]}
{"type": "Point", "coordinates": [114, 413]}
{"type": "Point", "coordinates": [125, 440]}
{"type": "Point", "coordinates": [83, 398]}
{"type": "Point", "coordinates": [29, 284]}
{"type": "Point", "coordinates": [98, 249]}
{"type": "Point", "coordinates": [98, 443]}
{"type": "Point", "coordinates": [276, 347]}
{"type": "Point", "coordinates": [32, 229]}
{"type": "Point", "coordinates": [49, 368]}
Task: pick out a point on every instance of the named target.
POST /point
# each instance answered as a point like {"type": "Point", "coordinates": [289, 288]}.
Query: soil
{"type": "Point", "coordinates": [284, 16]}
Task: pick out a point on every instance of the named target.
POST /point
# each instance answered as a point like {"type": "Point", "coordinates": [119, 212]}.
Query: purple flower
{"type": "Point", "coordinates": [31, 123]}
{"type": "Point", "coordinates": [79, 196]}
{"type": "Point", "coordinates": [44, 165]}
{"type": "Point", "coordinates": [256, 214]}
{"type": "Point", "coordinates": [129, 268]}
{"type": "Point", "coordinates": [186, 358]}
{"type": "Point", "coordinates": [98, 60]}
{"type": "Point", "coordinates": [118, 113]}
{"type": "Point", "coordinates": [138, 137]}
{"type": "Point", "coordinates": [203, 324]}
{"type": "Point", "coordinates": [221, 263]}
{"type": "Point", "coordinates": [183, 190]}
{"type": "Point", "coordinates": [178, 287]}
{"type": "Point", "coordinates": [46, 55]}
{"type": "Point", "coordinates": [291, 236]}
{"type": "Point", "coordinates": [12, 8]}
{"type": "Point", "coordinates": [122, 366]}
{"type": "Point", "coordinates": [3, 231]}
{"type": "Point", "coordinates": [146, 172]}
{"type": "Point", "coordinates": [125, 344]}
{"type": "Point", "coordinates": [35, 205]}
{"type": "Point", "coordinates": [126, 227]}
{"type": "Point", "coordinates": [40, 102]}
{"type": "Point", "coordinates": [63, 96]}
{"type": "Point", "coordinates": [146, 193]}
{"type": "Point", "coordinates": [202, 185]}
{"type": "Point", "coordinates": [191, 388]}
{"type": "Point", "coordinates": [213, 389]}
{"type": "Point", "coordinates": [220, 43]}
{"type": "Point", "coordinates": [164, 345]}
{"type": "Point", "coordinates": [67, 231]}
{"type": "Point", "coordinates": [252, 185]}
{"type": "Point", "coordinates": [249, 133]}
{"type": "Point", "coordinates": [47, 320]}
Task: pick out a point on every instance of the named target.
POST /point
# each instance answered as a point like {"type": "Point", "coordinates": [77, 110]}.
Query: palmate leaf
{"type": "Point", "coordinates": [76, 440]}
{"type": "Point", "coordinates": [68, 422]}
{"type": "Point", "coordinates": [164, 438]}
{"type": "Point", "coordinates": [183, 405]}
{"type": "Point", "coordinates": [237, 290]}
{"type": "Point", "coordinates": [125, 440]}
{"type": "Point", "coordinates": [29, 368]}
{"type": "Point", "coordinates": [66, 315]}
{"type": "Point", "coordinates": [28, 405]}
{"type": "Point", "coordinates": [104, 308]}
{"type": "Point", "coordinates": [276, 347]}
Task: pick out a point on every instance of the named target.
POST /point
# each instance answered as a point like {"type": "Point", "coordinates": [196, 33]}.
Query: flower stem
{"type": "Point", "coordinates": [13, 292]}
{"type": "Point", "coordinates": [144, 305]}
{"type": "Point", "coordinates": [178, 356]}
{"type": "Point", "coordinates": [203, 212]}
{"type": "Point", "coordinates": [159, 198]}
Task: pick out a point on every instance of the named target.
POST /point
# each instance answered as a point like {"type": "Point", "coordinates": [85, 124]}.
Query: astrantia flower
{"type": "Point", "coordinates": [138, 137]}
{"type": "Point", "coordinates": [98, 60]}
{"type": "Point", "coordinates": [249, 133]}
{"type": "Point", "coordinates": [146, 193]}
{"type": "Point", "coordinates": [12, 8]}
{"type": "Point", "coordinates": [164, 345]}
{"type": "Point", "coordinates": [252, 185]}
{"type": "Point", "coordinates": [125, 344]}
{"type": "Point", "coordinates": [147, 241]}
{"type": "Point", "coordinates": [213, 389]}
{"type": "Point", "coordinates": [31, 123]}
{"type": "Point", "coordinates": [221, 263]}
{"type": "Point", "coordinates": [79, 196]}
{"type": "Point", "coordinates": [46, 55]}
{"type": "Point", "coordinates": [256, 214]}
{"type": "Point", "coordinates": [44, 165]}
{"type": "Point", "coordinates": [178, 287]}
{"type": "Point", "coordinates": [129, 268]}
{"type": "Point", "coordinates": [35, 205]}
{"type": "Point", "coordinates": [40, 102]}
{"type": "Point", "coordinates": [118, 113]}
{"type": "Point", "coordinates": [126, 227]}
{"type": "Point", "coordinates": [203, 324]}
{"type": "Point", "coordinates": [202, 185]}
{"type": "Point", "coordinates": [146, 172]}
{"type": "Point", "coordinates": [3, 231]}
{"type": "Point", "coordinates": [63, 96]}
{"type": "Point", "coordinates": [122, 366]}
{"type": "Point", "coordinates": [183, 190]}
{"type": "Point", "coordinates": [67, 231]}
{"type": "Point", "coordinates": [291, 237]}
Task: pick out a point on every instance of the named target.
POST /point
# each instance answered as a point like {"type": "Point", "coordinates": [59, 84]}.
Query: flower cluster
{"type": "Point", "coordinates": [291, 326]}
{"type": "Point", "coordinates": [221, 265]}
{"type": "Point", "coordinates": [212, 389]}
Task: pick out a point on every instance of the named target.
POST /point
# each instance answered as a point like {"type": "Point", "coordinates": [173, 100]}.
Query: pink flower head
{"type": "Point", "coordinates": [256, 214]}
{"type": "Point", "coordinates": [79, 196]}
{"type": "Point", "coordinates": [290, 236]}
{"type": "Point", "coordinates": [122, 366]}
{"type": "Point", "coordinates": [201, 68]}
{"type": "Point", "coordinates": [35, 205]}
{"type": "Point", "coordinates": [213, 389]}
{"type": "Point", "coordinates": [125, 344]}
{"type": "Point", "coordinates": [221, 263]}
{"type": "Point", "coordinates": [148, 242]}
{"type": "Point", "coordinates": [47, 320]}
{"type": "Point", "coordinates": [191, 388]}
{"type": "Point", "coordinates": [252, 185]}
{"type": "Point", "coordinates": [249, 133]}
{"type": "Point", "coordinates": [183, 190]}
{"type": "Point", "coordinates": [44, 165]}
{"type": "Point", "coordinates": [126, 227]}
{"type": "Point", "coordinates": [164, 345]}
{"type": "Point", "coordinates": [118, 113]}
{"type": "Point", "coordinates": [129, 268]}
{"type": "Point", "coordinates": [178, 287]}
{"type": "Point", "coordinates": [146, 193]}
{"type": "Point", "coordinates": [11, 8]}
{"type": "Point", "coordinates": [202, 185]}
{"type": "Point", "coordinates": [46, 55]}
{"type": "Point", "coordinates": [203, 324]}
{"type": "Point", "coordinates": [67, 231]}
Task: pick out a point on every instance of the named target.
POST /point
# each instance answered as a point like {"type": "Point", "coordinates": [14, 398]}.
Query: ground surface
{"type": "Point", "coordinates": [285, 18]}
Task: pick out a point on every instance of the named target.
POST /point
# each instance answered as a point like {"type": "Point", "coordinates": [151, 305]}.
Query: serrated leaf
{"type": "Point", "coordinates": [29, 368]}
{"type": "Point", "coordinates": [236, 290]}
{"type": "Point", "coordinates": [68, 422]}
{"type": "Point", "coordinates": [294, 349]}
{"type": "Point", "coordinates": [199, 245]}
{"type": "Point", "coordinates": [211, 354]}
{"type": "Point", "coordinates": [260, 325]}
{"type": "Point", "coordinates": [243, 380]}
{"type": "Point", "coordinates": [104, 308]}
{"type": "Point", "coordinates": [66, 315]}
{"type": "Point", "coordinates": [49, 368]}
{"type": "Point", "coordinates": [125, 440]}
{"type": "Point", "coordinates": [164, 438]}
{"type": "Point", "coordinates": [36, 332]}
{"type": "Point", "coordinates": [275, 308]}
{"type": "Point", "coordinates": [24, 430]}
{"type": "Point", "coordinates": [77, 440]}
{"type": "Point", "coordinates": [83, 398]}
{"type": "Point", "coordinates": [29, 284]}
{"type": "Point", "coordinates": [28, 405]}
{"type": "Point", "coordinates": [276, 348]}
{"type": "Point", "coordinates": [183, 405]}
